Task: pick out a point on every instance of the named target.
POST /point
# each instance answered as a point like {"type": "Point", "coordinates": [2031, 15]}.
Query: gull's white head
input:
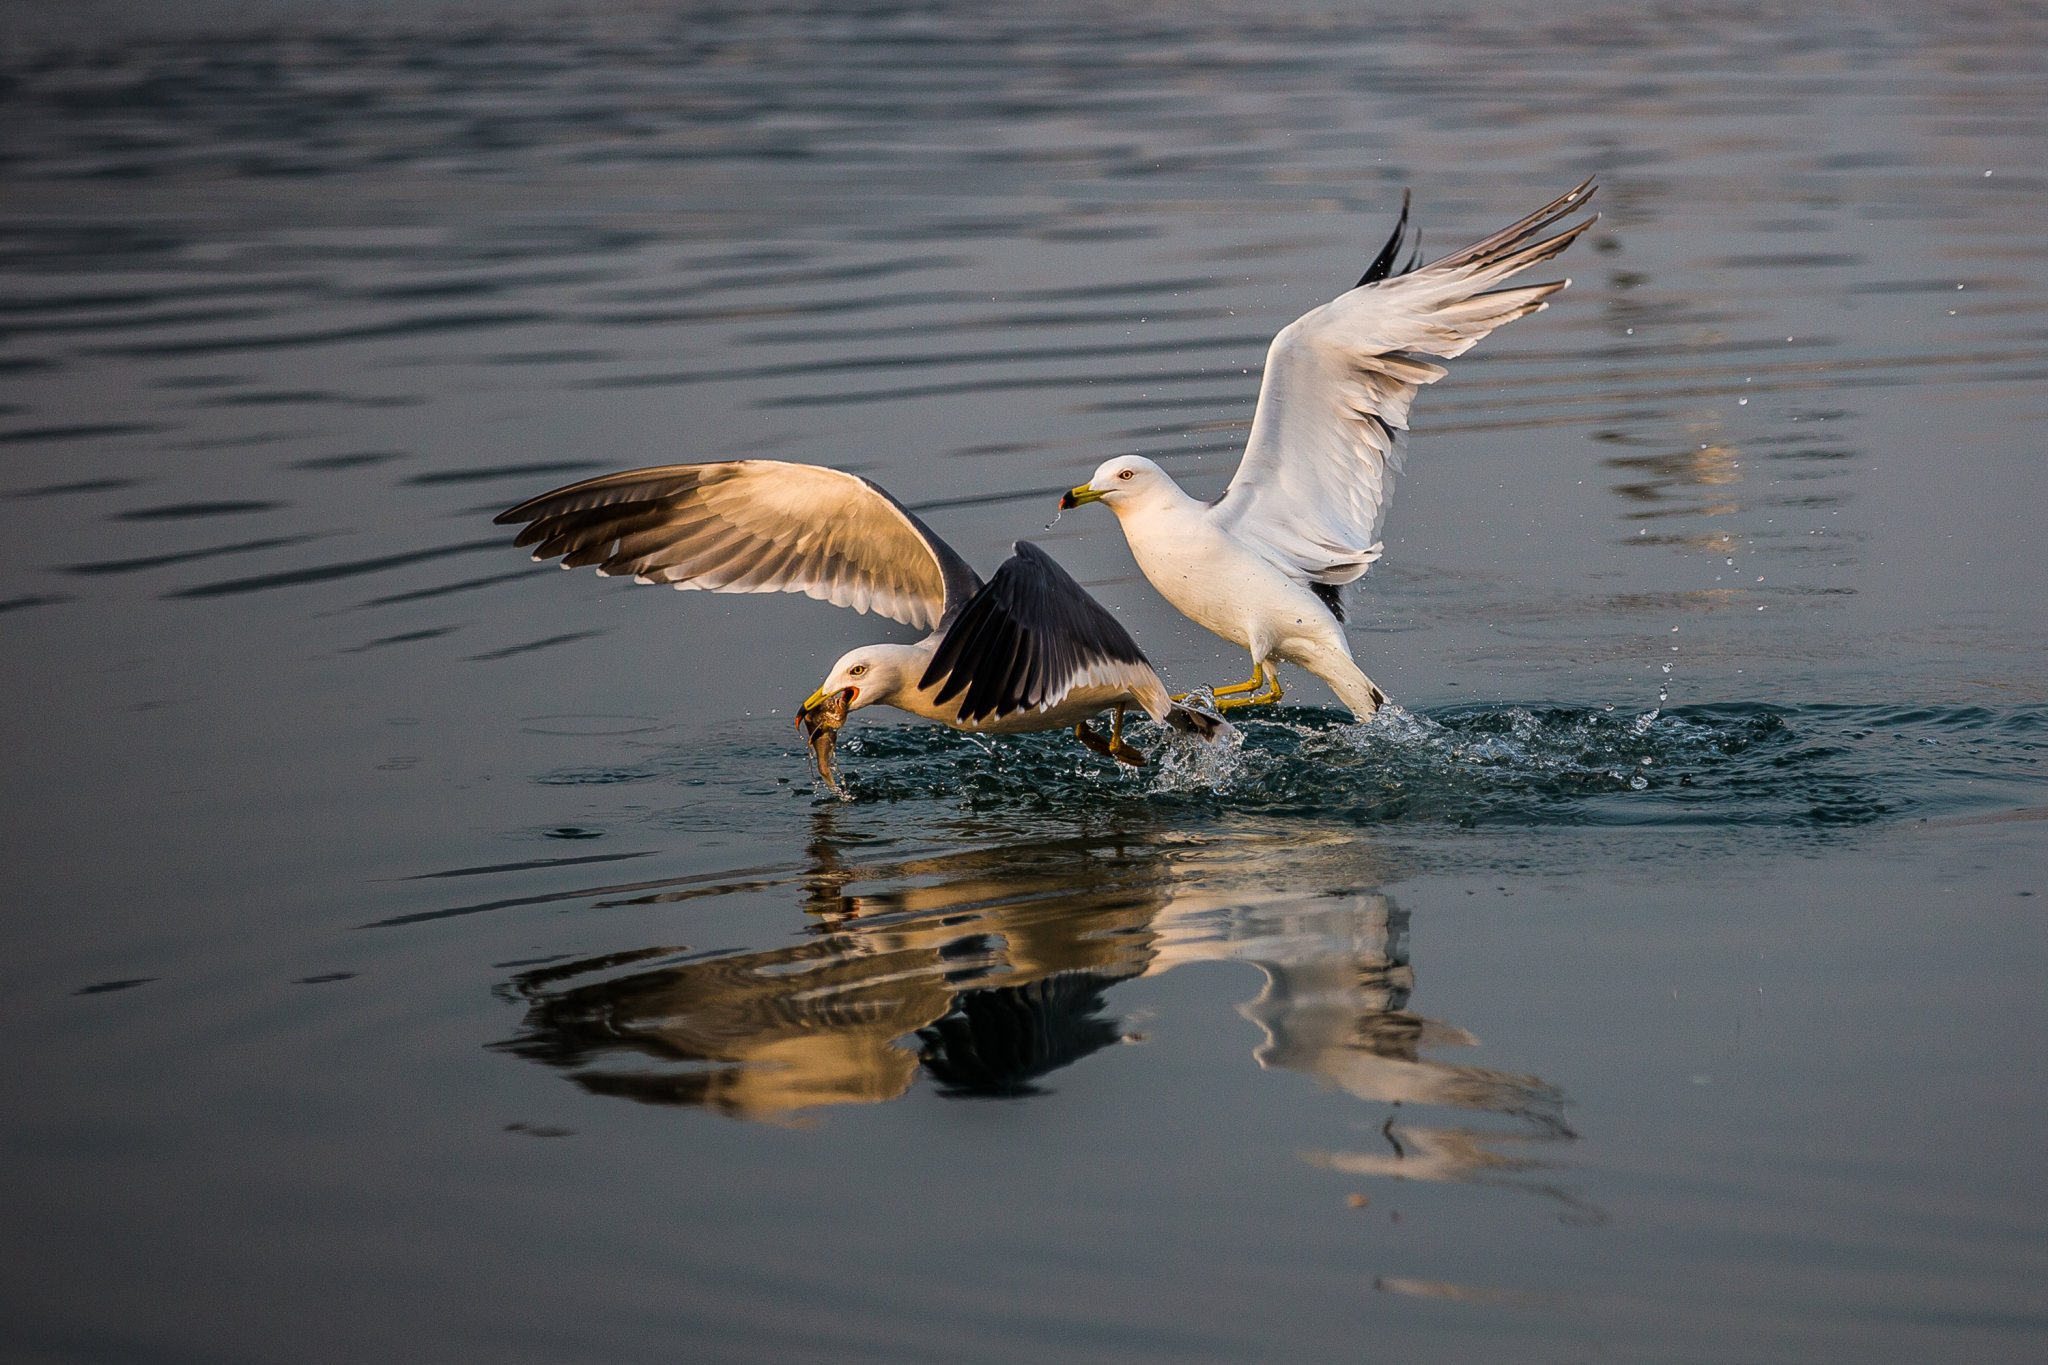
{"type": "Point", "coordinates": [1124, 483]}
{"type": "Point", "coordinates": [870, 674]}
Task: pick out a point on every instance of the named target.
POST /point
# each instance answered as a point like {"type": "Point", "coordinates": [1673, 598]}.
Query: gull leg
{"type": "Point", "coordinates": [1094, 741]}
{"type": "Point", "coordinates": [1260, 678]}
{"type": "Point", "coordinates": [1120, 751]}
{"type": "Point", "coordinates": [1249, 685]}
{"type": "Point", "coordinates": [1272, 692]}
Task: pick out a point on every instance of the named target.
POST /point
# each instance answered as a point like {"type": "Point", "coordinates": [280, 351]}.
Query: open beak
{"type": "Point", "coordinates": [1074, 497]}
{"type": "Point", "coordinates": [819, 699]}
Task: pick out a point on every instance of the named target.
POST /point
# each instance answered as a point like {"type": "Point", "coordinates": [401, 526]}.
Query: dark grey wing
{"type": "Point", "coordinates": [754, 526]}
{"type": "Point", "coordinates": [1031, 636]}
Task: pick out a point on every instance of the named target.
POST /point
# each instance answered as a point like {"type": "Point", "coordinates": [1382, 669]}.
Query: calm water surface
{"type": "Point", "coordinates": [415, 954]}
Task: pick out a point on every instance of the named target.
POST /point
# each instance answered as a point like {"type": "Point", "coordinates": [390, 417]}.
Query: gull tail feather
{"type": "Point", "coordinates": [1195, 723]}
{"type": "Point", "coordinates": [1351, 685]}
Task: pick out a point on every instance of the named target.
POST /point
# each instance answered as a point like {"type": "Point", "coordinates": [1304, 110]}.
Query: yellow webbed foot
{"type": "Point", "coordinates": [1235, 690]}
{"type": "Point", "coordinates": [1120, 751]}
{"type": "Point", "coordinates": [1093, 740]}
{"type": "Point", "coordinates": [1113, 747]}
{"type": "Point", "coordinates": [1251, 684]}
{"type": "Point", "coordinates": [1227, 697]}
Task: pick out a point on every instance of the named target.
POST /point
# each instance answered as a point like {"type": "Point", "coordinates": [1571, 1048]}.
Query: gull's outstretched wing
{"type": "Point", "coordinates": [1329, 435]}
{"type": "Point", "coordinates": [754, 526]}
{"type": "Point", "coordinates": [1030, 637]}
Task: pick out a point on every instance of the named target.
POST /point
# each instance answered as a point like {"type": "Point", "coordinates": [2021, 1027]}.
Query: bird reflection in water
{"type": "Point", "coordinates": [988, 969]}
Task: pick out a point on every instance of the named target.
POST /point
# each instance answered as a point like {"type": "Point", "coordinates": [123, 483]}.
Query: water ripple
{"type": "Point", "coordinates": [1728, 765]}
{"type": "Point", "coordinates": [323, 573]}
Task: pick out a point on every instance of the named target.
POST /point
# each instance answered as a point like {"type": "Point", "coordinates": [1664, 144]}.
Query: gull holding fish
{"type": "Point", "coordinates": [1263, 566]}
{"type": "Point", "coordinates": [1027, 650]}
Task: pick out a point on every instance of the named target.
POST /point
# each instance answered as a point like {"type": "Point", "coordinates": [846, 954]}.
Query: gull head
{"type": "Point", "coordinates": [1127, 481]}
{"type": "Point", "coordinates": [862, 677]}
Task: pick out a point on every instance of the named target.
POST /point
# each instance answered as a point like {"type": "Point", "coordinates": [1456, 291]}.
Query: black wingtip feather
{"type": "Point", "coordinates": [1382, 266]}
{"type": "Point", "coordinates": [1332, 595]}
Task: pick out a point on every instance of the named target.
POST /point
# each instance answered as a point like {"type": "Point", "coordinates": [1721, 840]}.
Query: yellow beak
{"type": "Point", "coordinates": [817, 699]}
{"type": "Point", "coordinates": [1076, 496]}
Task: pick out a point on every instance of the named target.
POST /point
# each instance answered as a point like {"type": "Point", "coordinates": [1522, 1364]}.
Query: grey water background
{"type": "Point", "coordinates": [415, 953]}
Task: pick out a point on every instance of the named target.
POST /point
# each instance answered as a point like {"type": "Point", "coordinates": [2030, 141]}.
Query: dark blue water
{"type": "Point", "coordinates": [414, 953]}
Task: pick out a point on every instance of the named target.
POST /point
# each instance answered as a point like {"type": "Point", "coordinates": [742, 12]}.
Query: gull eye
{"type": "Point", "coordinates": [856, 670]}
{"type": "Point", "coordinates": [1128, 473]}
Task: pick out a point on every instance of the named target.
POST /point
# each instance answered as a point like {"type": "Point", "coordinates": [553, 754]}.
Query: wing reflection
{"type": "Point", "coordinates": [989, 969]}
{"type": "Point", "coordinates": [991, 964]}
{"type": "Point", "coordinates": [997, 1042]}
{"type": "Point", "coordinates": [753, 1035]}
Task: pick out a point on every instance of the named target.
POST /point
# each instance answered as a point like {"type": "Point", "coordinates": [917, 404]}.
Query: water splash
{"type": "Point", "coordinates": [1742, 764]}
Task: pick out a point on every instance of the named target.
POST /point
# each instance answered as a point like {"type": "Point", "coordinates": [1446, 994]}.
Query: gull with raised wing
{"type": "Point", "coordinates": [1263, 566]}
{"type": "Point", "coordinates": [1027, 650]}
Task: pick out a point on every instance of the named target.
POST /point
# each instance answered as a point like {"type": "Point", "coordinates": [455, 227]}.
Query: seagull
{"type": "Point", "coordinates": [1027, 650]}
{"type": "Point", "coordinates": [1262, 566]}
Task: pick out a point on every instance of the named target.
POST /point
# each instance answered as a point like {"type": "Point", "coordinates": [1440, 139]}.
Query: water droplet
{"type": "Point", "coordinates": [1638, 782]}
{"type": "Point", "coordinates": [1742, 402]}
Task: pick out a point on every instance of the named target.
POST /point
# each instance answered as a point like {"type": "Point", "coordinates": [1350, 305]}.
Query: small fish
{"type": "Point", "coordinates": [821, 731]}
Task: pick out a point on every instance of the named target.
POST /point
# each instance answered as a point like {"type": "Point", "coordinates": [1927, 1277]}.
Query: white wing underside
{"type": "Point", "coordinates": [1331, 428]}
